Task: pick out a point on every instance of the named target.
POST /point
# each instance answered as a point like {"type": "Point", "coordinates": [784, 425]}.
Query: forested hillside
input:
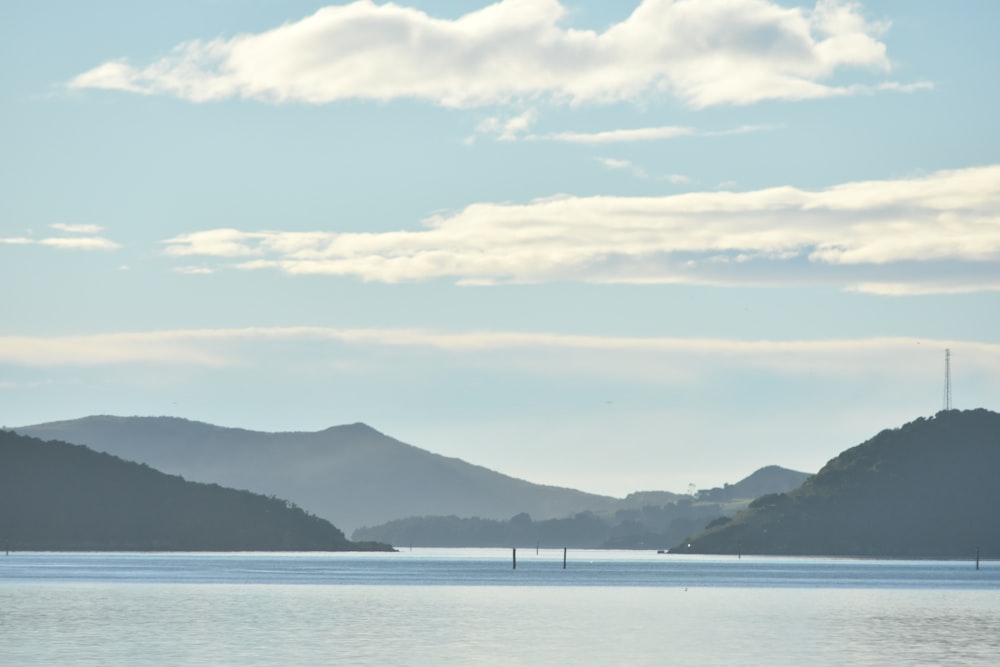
{"type": "Point", "coordinates": [929, 489]}
{"type": "Point", "coordinates": [58, 496]}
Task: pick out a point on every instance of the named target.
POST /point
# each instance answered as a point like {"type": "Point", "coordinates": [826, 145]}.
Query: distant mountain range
{"type": "Point", "coordinates": [350, 475]}
{"type": "Point", "coordinates": [55, 496]}
{"type": "Point", "coordinates": [928, 489]}
{"type": "Point", "coordinates": [643, 520]}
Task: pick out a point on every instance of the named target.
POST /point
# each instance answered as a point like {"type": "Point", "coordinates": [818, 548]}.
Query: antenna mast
{"type": "Point", "coordinates": [947, 379]}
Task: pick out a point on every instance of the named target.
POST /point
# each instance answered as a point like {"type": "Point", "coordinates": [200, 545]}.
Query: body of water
{"type": "Point", "coordinates": [470, 607]}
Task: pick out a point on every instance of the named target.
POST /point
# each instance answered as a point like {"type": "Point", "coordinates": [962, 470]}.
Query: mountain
{"type": "Point", "coordinates": [769, 479]}
{"type": "Point", "coordinates": [925, 490]}
{"type": "Point", "coordinates": [643, 520]}
{"type": "Point", "coordinates": [61, 497]}
{"type": "Point", "coordinates": [351, 475]}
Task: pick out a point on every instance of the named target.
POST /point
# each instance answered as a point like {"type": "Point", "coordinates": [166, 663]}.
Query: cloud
{"type": "Point", "coordinates": [653, 359]}
{"type": "Point", "coordinates": [624, 135]}
{"type": "Point", "coordinates": [508, 129]}
{"type": "Point", "coordinates": [105, 349]}
{"type": "Point", "coordinates": [934, 233]}
{"type": "Point", "coordinates": [193, 270]}
{"type": "Point", "coordinates": [742, 129]}
{"type": "Point", "coordinates": [78, 229]}
{"type": "Point", "coordinates": [704, 52]}
{"type": "Point", "coordinates": [80, 243]}
{"type": "Point", "coordinates": [89, 242]}
{"type": "Point", "coordinates": [895, 86]}
{"type": "Point", "coordinates": [614, 163]}
{"type": "Point", "coordinates": [230, 242]}
{"type": "Point", "coordinates": [620, 136]}
{"type": "Point", "coordinates": [639, 172]}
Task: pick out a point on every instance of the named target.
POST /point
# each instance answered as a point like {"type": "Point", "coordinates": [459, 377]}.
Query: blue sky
{"type": "Point", "coordinates": [614, 246]}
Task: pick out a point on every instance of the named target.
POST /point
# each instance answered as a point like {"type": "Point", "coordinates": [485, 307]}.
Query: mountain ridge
{"type": "Point", "coordinates": [642, 520]}
{"type": "Point", "coordinates": [350, 474]}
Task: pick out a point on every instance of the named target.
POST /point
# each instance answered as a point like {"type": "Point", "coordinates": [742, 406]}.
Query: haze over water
{"type": "Point", "coordinates": [471, 607]}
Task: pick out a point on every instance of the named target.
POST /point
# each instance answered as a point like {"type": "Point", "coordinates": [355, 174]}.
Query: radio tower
{"type": "Point", "coordinates": [947, 379]}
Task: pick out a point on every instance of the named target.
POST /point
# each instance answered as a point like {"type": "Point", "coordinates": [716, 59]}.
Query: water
{"type": "Point", "coordinates": [469, 607]}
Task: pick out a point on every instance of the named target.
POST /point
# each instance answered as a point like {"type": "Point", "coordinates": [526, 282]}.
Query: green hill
{"type": "Point", "coordinates": [928, 489]}
{"type": "Point", "coordinates": [55, 496]}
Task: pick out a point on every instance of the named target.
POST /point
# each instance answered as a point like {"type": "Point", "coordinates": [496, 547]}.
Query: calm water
{"type": "Point", "coordinates": [469, 607]}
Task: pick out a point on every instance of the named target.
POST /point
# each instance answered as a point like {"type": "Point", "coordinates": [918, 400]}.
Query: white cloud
{"type": "Point", "coordinates": [77, 229]}
{"type": "Point", "coordinates": [742, 129]}
{"type": "Point", "coordinates": [621, 136]}
{"type": "Point", "coordinates": [939, 232]}
{"type": "Point", "coordinates": [895, 86]}
{"type": "Point", "coordinates": [68, 242]}
{"type": "Point", "coordinates": [229, 242]}
{"type": "Point", "coordinates": [666, 360]}
{"type": "Point", "coordinates": [80, 243]}
{"type": "Point", "coordinates": [193, 270]}
{"type": "Point", "coordinates": [705, 52]}
{"type": "Point", "coordinates": [636, 134]}
{"type": "Point", "coordinates": [508, 129]}
{"type": "Point", "coordinates": [104, 349]}
{"type": "Point", "coordinates": [639, 172]}
{"type": "Point", "coordinates": [614, 163]}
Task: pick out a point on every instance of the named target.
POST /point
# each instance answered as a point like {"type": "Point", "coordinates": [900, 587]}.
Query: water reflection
{"type": "Point", "coordinates": [169, 609]}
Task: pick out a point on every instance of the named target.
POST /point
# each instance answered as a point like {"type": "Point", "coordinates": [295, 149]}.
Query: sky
{"type": "Point", "coordinates": [615, 246]}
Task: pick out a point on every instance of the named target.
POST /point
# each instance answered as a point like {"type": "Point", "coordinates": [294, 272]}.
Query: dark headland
{"type": "Point", "coordinates": [56, 496]}
{"type": "Point", "coordinates": [929, 489]}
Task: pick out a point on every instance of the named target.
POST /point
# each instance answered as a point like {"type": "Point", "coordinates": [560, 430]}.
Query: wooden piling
{"type": "Point", "coordinates": [977, 558]}
{"type": "Point", "coordinates": [564, 558]}
{"type": "Point", "coordinates": [514, 555]}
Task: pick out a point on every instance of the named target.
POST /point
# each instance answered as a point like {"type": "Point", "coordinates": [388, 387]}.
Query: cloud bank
{"type": "Point", "coordinates": [656, 359]}
{"type": "Point", "coordinates": [704, 52]}
{"type": "Point", "coordinates": [934, 233]}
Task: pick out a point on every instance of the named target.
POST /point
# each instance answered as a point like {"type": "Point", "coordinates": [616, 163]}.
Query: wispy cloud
{"type": "Point", "coordinates": [906, 87]}
{"type": "Point", "coordinates": [78, 229]}
{"type": "Point", "coordinates": [639, 172]}
{"type": "Point", "coordinates": [939, 232]}
{"type": "Point", "coordinates": [80, 243]}
{"type": "Point", "coordinates": [544, 352]}
{"type": "Point", "coordinates": [708, 52]}
{"type": "Point", "coordinates": [76, 242]}
{"type": "Point", "coordinates": [193, 270]}
{"type": "Point", "coordinates": [507, 129]}
{"type": "Point", "coordinates": [516, 128]}
{"type": "Point", "coordinates": [622, 136]}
